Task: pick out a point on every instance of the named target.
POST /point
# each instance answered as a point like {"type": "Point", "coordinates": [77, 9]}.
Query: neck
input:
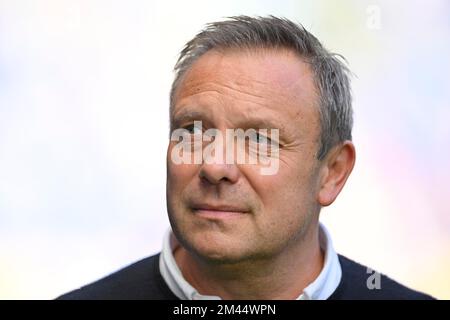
{"type": "Point", "coordinates": [282, 277]}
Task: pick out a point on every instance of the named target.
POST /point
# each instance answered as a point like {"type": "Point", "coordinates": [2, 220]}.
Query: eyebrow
{"type": "Point", "coordinates": [189, 115]}
{"type": "Point", "coordinates": [252, 123]}
{"type": "Point", "coordinates": [259, 123]}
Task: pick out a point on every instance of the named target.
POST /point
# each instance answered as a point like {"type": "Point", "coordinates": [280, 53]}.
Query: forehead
{"type": "Point", "coordinates": [264, 83]}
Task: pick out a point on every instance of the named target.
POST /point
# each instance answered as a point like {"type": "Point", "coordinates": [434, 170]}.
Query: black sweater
{"type": "Point", "coordinates": [143, 281]}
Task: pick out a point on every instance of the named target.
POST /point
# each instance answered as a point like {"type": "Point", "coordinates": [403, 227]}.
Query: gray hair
{"type": "Point", "coordinates": [331, 75]}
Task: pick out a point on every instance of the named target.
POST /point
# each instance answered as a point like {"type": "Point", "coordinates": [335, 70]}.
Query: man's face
{"type": "Point", "coordinates": [268, 89]}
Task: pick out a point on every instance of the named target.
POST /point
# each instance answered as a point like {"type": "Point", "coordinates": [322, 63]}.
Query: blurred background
{"type": "Point", "coordinates": [84, 89]}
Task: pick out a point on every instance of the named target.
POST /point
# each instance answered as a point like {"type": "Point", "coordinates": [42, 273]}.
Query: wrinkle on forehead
{"type": "Point", "coordinates": [277, 83]}
{"type": "Point", "coordinates": [259, 72]}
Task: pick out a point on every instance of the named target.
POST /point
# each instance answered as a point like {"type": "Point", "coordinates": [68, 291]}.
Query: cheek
{"type": "Point", "coordinates": [288, 196]}
{"type": "Point", "coordinates": [290, 184]}
{"type": "Point", "coordinates": [178, 172]}
{"type": "Point", "coordinates": [178, 178]}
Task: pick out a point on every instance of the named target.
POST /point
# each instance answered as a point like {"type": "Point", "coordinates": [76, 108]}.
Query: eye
{"type": "Point", "coordinates": [260, 138]}
{"type": "Point", "coordinates": [193, 129]}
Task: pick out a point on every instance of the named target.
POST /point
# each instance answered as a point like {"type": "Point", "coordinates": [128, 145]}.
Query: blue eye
{"type": "Point", "coordinates": [193, 129]}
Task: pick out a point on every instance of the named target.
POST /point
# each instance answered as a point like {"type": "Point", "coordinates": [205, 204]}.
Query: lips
{"type": "Point", "coordinates": [210, 207]}
{"type": "Point", "coordinates": [218, 211]}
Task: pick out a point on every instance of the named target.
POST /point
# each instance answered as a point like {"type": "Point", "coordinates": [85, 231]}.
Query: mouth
{"type": "Point", "coordinates": [218, 212]}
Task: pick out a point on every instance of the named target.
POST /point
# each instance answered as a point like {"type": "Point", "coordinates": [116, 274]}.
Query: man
{"type": "Point", "coordinates": [240, 233]}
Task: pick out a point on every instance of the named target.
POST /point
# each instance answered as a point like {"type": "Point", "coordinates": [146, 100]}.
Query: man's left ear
{"type": "Point", "coordinates": [336, 168]}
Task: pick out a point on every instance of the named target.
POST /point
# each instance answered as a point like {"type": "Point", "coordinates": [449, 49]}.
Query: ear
{"type": "Point", "coordinates": [336, 168]}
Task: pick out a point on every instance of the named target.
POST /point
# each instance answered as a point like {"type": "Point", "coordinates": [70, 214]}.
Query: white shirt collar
{"type": "Point", "coordinates": [320, 289]}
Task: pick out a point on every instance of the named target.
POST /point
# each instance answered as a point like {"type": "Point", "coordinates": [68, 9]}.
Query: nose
{"type": "Point", "coordinates": [216, 173]}
{"type": "Point", "coordinates": [216, 170]}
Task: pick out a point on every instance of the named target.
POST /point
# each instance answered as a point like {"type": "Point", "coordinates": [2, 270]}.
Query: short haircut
{"type": "Point", "coordinates": [331, 75]}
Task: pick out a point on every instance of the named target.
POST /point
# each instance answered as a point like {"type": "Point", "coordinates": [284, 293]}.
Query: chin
{"type": "Point", "coordinates": [218, 251]}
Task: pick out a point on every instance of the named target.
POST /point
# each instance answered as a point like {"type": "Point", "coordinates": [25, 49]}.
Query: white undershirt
{"type": "Point", "coordinates": [320, 289]}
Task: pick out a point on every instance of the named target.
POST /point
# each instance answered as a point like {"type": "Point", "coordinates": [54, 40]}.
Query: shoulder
{"type": "Point", "coordinates": [362, 283]}
{"type": "Point", "coordinates": [138, 281]}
